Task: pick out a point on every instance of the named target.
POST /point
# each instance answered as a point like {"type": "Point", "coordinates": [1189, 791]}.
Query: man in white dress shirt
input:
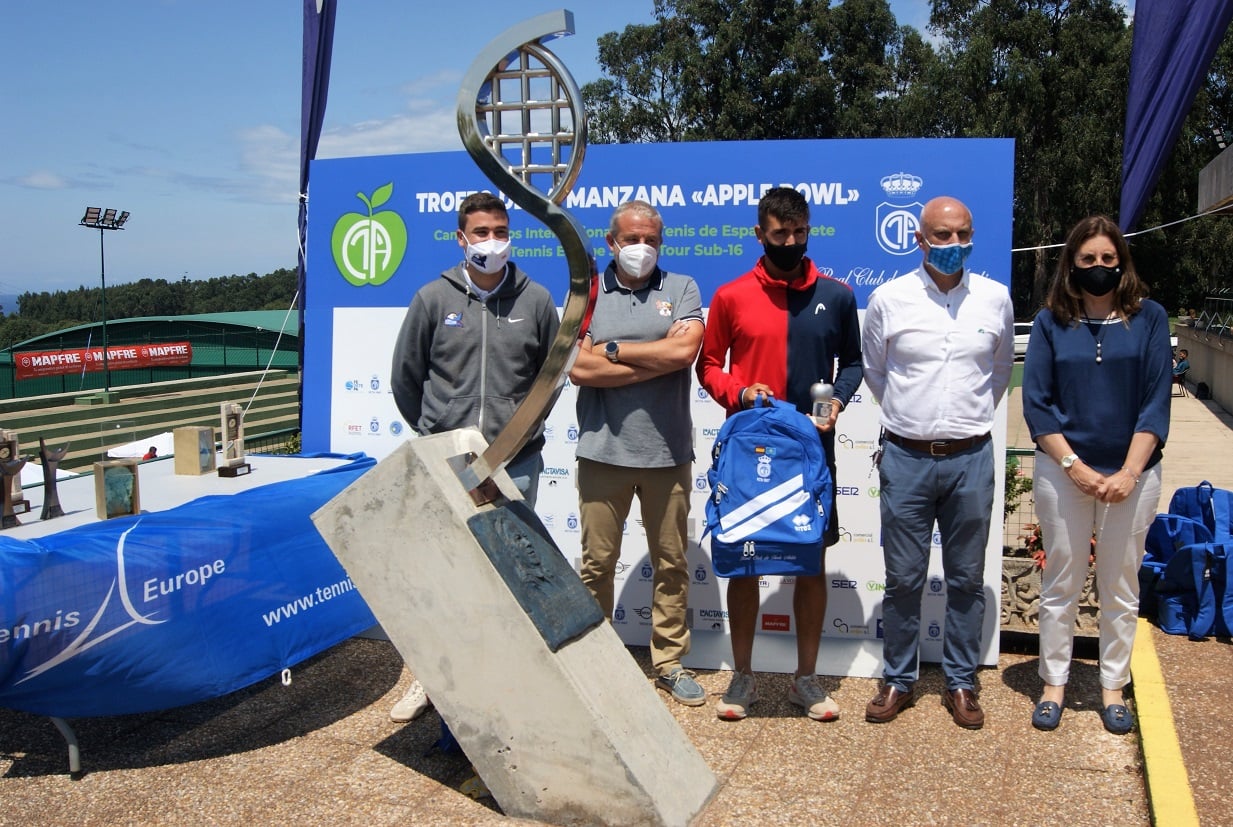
{"type": "Point", "coordinates": [938, 348]}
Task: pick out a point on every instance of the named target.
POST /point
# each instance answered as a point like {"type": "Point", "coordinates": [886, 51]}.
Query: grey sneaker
{"type": "Point", "coordinates": [412, 705]}
{"type": "Point", "coordinates": [805, 692]}
{"type": "Point", "coordinates": [681, 684]}
{"type": "Point", "coordinates": [741, 692]}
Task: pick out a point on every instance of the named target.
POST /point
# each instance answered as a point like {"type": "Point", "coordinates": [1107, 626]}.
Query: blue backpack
{"type": "Point", "coordinates": [1195, 592]}
{"type": "Point", "coordinates": [770, 494]}
{"type": "Point", "coordinates": [1209, 505]}
{"type": "Point", "coordinates": [1185, 578]}
{"type": "Point", "coordinates": [1167, 535]}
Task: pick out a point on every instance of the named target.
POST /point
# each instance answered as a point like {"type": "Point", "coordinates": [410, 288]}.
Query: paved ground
{"type": "Point", "coordinates": [323, 749]}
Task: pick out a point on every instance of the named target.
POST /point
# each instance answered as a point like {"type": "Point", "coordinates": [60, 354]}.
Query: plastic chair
{"type": "Point", "coordinates": [1179, 383]}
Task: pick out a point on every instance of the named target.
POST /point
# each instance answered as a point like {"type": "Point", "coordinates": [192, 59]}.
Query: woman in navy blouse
{"type": "Point", "coordinates": [1096, 385]}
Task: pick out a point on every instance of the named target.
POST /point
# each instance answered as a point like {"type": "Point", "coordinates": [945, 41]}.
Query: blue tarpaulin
{"type": "Point", "coordinates": [173, 607]}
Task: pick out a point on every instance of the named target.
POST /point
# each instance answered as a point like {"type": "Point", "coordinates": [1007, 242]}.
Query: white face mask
{"type": "Point", "coordinates": [637, 260]}
{"type": "Point", "coordinates": [488, 256]}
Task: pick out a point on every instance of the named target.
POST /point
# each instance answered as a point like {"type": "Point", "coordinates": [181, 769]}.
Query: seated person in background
{"type": "Point", "coordinates": [1181, 364]}
{"type": "Point", "coordinates": [150, 454]}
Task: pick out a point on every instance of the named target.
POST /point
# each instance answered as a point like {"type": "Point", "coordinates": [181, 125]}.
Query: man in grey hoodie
{"type": "Point", "coordinates": [469, 349]}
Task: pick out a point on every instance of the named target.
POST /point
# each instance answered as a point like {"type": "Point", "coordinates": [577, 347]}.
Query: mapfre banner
{"type": "Point", "coordinates": [90, 359]}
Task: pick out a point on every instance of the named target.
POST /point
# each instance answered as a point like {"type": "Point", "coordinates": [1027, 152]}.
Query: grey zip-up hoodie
{"type": "Point", "coordinates": [460, 361]}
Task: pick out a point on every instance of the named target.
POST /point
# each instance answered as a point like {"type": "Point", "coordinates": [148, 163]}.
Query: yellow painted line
{"type": "Point", "coordinates": [1168, 786]}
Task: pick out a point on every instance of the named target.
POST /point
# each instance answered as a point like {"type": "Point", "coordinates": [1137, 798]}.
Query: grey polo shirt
{"type": "Point", "coordinates": [646, 424]}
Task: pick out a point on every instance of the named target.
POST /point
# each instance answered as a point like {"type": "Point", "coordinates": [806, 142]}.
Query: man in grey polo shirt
{"type": "Point", "coordinates": [635, 433]}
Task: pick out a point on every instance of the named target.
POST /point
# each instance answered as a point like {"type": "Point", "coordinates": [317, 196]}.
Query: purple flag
{"type": "Point", "coordinates": [315, 84]}
{"type": "Point", "coordinates": [1174, 43]}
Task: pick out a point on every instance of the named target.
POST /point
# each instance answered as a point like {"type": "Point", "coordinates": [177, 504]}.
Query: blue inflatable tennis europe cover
{"type": "Point", "coordinates": [173, 607]}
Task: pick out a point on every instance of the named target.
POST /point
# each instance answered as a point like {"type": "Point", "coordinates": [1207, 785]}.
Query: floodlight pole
{"type": "Point", "coordinates": [102, 274]}
{"type": "Point", "coordinates": [96, 218]}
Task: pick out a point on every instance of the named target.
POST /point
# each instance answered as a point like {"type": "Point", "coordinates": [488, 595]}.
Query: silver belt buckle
{"type": "Point", "coordinates": [935, 445]}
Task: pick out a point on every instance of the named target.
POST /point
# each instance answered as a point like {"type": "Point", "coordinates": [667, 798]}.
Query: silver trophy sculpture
{"type": "Point", "coordinates": [521, 120]}
{"type": "Point", "coordinates": [466, 581]}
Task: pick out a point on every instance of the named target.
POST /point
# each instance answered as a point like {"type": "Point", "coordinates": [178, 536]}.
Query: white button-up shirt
{"type": "Point", "coordinates": [938, 362]}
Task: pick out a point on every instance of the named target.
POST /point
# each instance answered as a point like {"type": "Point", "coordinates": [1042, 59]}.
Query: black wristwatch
{"type": "Point", "coordinates": [613, 351]}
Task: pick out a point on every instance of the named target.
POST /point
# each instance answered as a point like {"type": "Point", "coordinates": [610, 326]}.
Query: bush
{"type": "Point", "coordinates": [1017, 484]}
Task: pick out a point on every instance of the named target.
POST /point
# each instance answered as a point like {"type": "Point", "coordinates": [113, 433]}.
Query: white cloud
{"type": "Point", "coordinates": [425, 130]}
{"type": "Point", "coordinates": [270, 162]}
{"type": "Point", "coordinates": [42, 180]}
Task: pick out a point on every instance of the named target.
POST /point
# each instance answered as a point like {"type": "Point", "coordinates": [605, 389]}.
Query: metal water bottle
{"type": "Point", "coordinates": [821, 392]}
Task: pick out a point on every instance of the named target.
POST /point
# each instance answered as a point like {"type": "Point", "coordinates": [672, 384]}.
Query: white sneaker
{"type": "Point", "coordinates": [412, 705]}
{"type": "Point", "coordinates": [805, 692]}
{"type": "Point", "coordinates": [741, 692]}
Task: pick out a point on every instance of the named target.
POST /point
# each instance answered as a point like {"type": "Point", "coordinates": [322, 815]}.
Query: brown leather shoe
{"type": "Point", "coordinates": [964, 708]}
{"type": "Point", "coordinates": [888, 703]}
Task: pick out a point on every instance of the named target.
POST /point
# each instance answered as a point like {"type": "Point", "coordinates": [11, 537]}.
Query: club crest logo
{"type": "Point", "coordinates": [764, 467]}
{"type": "Point", "coordinates": [896, 223]}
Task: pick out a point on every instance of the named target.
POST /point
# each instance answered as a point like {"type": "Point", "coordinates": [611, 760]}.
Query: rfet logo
{"type": "Point", "coordinates": [368, 248]}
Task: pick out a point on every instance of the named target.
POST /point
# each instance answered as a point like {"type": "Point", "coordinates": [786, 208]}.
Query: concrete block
{"type": "Point", "coordinates": [572, 736]}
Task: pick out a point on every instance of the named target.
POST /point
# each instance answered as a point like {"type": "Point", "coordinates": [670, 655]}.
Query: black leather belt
{"type": "Point", "coordinates": [937, 447]}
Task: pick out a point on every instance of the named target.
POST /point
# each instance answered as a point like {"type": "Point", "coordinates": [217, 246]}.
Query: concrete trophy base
{"type": "Point", "coordinates": [567, 731]}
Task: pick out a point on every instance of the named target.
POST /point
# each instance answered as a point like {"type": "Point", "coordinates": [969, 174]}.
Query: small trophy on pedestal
{"type": "Point", "coordinates": [10, 467]}
{"type": "Point", "coordinates": [20, 504]}
{"type": "Point", "coordinates": [51, 497]}
{"type": "Point", "coordinates": [233, 464]}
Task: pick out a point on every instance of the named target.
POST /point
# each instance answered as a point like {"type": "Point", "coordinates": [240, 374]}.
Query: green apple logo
{"type": "Point", "coordinates": [369, 248]}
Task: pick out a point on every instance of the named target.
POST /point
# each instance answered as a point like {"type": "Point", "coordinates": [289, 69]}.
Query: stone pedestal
{"type": "Point", "coordinates": [1021, 599]}
{"type": "Point", "coordinates": [568, 732]}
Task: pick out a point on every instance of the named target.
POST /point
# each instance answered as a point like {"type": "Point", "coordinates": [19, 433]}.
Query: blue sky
{"type": "Point", "coordinates": [187, 114]}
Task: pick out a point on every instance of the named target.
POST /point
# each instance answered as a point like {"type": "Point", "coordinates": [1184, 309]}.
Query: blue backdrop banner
{"type": "Point", "coordinates": [382, 226]}
{"type": "Point", "coordinates": [168, 608]}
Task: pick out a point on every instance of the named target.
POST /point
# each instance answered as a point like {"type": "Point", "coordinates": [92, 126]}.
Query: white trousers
{"type": "Point", "coordinates": [1068, 518]}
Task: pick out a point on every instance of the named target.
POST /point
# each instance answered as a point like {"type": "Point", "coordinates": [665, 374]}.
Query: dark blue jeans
{"type": "Point", "coordinates": [957, 492]}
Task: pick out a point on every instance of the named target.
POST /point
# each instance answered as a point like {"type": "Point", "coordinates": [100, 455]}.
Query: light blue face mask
{"type": "Point", "coordinates": [949, 259]}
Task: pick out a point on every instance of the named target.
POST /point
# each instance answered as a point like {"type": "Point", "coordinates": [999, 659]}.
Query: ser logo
{"type": "Point", "coordinates": [839, 583]}
{"type": "Point", "coordinates": [848, 491]}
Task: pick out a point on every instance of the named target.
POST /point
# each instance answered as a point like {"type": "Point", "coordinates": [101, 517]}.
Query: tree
{"type": "Point", "coordinates": [751, 69]}
{"type": "Point", "coordinates": [1051, 74]}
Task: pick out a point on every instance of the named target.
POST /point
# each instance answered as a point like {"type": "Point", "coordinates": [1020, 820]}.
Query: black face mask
{"type": "Point", "coordinates": [785, 257]}
{"type": "Point", "coordinates": [1097, 280]}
